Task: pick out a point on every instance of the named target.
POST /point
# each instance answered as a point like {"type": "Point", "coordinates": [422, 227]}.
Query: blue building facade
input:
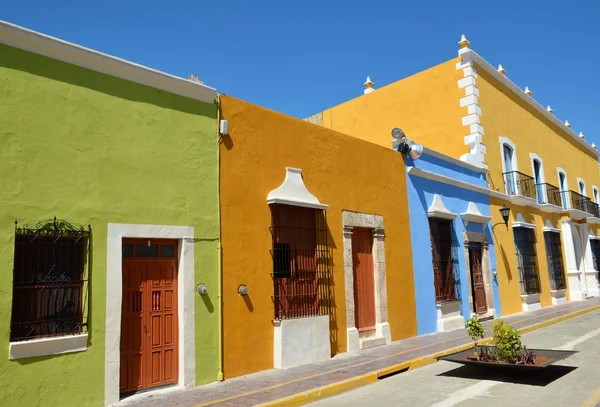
{"type": "Point", "coordinates": [454, 260]}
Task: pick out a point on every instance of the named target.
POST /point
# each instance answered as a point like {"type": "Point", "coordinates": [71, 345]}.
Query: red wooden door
{"type": "Point", "coordinates": [479, 300]}
{"type": "Point", "coordinates": [149, 326]}
{"type": "Point", "coordinates": [364, 285]}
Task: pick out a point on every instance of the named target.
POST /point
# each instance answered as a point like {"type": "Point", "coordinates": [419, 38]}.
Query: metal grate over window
{"type": "Point", "coordinates": [527, 264]}
{"type": "Point", "coordinates": [301, 262]}
{"type": "Point", "coordinates": [595, 246]}
{"type": "Point", "coordinates": [444, 253]}
{"type": "Point", "coordinates": [556, 270]}
{"type": "Point", "coordinates": [50, 280]}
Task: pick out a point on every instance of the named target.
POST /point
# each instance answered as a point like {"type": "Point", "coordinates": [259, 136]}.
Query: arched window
{"type": "Point", "coordinates": [538, 179]}
{"type": "Point", "coordinates": [509, 177]}
{"type": "Point", "coordinates": [562, 184]}
{"type": "Point", "coordinates": [595, 189]}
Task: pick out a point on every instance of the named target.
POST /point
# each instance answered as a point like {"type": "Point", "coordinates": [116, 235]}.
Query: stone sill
{"type": "Point", "coordinates": [55, 345]}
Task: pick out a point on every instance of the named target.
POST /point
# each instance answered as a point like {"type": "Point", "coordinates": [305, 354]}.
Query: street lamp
{"type": "Point", "coordinates": [406, 146]}
{"type": "Point", "coordinates": [504, 211]}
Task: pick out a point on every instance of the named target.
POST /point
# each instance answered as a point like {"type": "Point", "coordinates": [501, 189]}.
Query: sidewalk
{"type": "Point", "coordinates": [300, 385]}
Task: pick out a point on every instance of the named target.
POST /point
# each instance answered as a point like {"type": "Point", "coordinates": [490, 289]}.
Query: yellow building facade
{"type": "Point", "coordinates": [538, 167]}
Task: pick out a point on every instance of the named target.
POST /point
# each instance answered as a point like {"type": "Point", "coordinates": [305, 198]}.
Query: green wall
{"type": "Point", "coordinates": [92, 149]}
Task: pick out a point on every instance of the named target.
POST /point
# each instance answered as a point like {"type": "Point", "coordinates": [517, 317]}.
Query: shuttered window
{"type": "Point", "coordinates": [443, 259]}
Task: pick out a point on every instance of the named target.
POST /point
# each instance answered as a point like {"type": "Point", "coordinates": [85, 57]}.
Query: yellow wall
{"type": "Point", "coordinates": [507, 115]}
{"type": "Point", "coordinates": [425, 106]}
{"type": "Point", "coordinates": [341, 171]}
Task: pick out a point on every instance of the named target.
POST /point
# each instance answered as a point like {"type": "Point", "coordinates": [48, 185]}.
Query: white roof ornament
{"type": "Point", "coordinates": [368, 85]}
{"type": "Point", "coordinates": [501, 69]}
{"type": "Point", "coordinates": [581, 136]}
{"type": "Point", "coordinates": [527, 91]}
{"type": "Point", "coordinates": [293, 192]}
{"type": "Point", "coordinates": [567, 124]}
{"type": "Point", "coordinates": [549, 109]}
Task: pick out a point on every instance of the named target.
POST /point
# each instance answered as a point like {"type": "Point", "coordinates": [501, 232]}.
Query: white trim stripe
{"type": "Point", "coordinates": [29, 40]}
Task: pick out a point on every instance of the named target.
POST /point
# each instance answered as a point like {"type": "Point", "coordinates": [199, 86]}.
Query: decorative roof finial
{"type": "Point", "coordinates": [194, 78]}
{"type": "Point", "coordinates": [549, 109]}
{"type": "Point", "coordinates": [501, 69]}
{"type": "Point", "coordinates": [581, 136]}
{"type": "Point", "coordinates": [594, 146]}
{"type": "Point", "coordinates": [567, 124]}
{"type": "Point", "coordinates": [369, 85]}
{"type": "Point", "coordinates": [527, 91]}
{"type": "Point", "coordinates": [464, 42]}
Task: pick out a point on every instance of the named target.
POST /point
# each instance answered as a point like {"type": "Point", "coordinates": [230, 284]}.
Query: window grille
{"type": "Point", "coordinates": [301, 265]}
{"type": "Point", "coordinates": [555, 261]}
{"type": "Point", "coordinates": [526, 260]}
{"type": "Point", "coordinates": [444, 252]}
{"type": "Point", "coordinates": [595, 246]}
{"type": "Point", "coordinates": [50, 280]}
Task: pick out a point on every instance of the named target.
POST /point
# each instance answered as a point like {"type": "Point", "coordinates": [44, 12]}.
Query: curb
{"type": "Point", "coordinates": [322, 392]}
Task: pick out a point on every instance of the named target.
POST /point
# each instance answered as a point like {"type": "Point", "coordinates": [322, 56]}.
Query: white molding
{"type": "Point", "coordinates": [531, 302]}
{"type": "Point", "coordinates": [185, 306]}
{"type": "Point", "coordinates": [520, 223]}
{"type": "Point", "coordinates": [439, 210]}
{"type": "Point", "coordinates": [474, 215]}
{"type": "Point", "coordinates": [470, 56]}
{"type": "Point", "coordinates": [559, 171]}
{"type": "Point", "coordinates": [29, 40]}
{"type": "Point", "coordinates": [55, 345]}
{"type": "Point", "coordinates": [293, 192]}
{"type": "Point", "coordinates": [548, 227]}
{"type": "Point", "coordinates": [595, 193]}
{"type": "Point", "coordinates": [451, 181]}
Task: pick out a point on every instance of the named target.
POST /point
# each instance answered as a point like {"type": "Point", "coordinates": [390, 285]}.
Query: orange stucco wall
{"type": "Point", "coordinates": [505, 114]}
{"type": "Point", "coordinates": [341, 171]}
{"type": "Point", "coordinates": [425, 106]}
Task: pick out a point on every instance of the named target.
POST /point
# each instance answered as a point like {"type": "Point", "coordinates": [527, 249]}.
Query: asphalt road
{"type": "Point", "coordinates": [573, 382]}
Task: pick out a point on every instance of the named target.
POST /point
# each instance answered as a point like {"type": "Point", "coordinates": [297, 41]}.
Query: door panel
{"type": "Point", "coordinates": [149, 332]}
{"type": "Point", "coordinates": [479, 300]}
{"type": "Point", "coordinates": [364, 285]}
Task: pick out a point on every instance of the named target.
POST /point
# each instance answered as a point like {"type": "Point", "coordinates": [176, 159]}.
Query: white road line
{"type": "Point", "coordinates": [480, 388]}
{"type": "Point", "coordinates": [466, 394]}
{"type": "Point", "coordinates": [571, 345]}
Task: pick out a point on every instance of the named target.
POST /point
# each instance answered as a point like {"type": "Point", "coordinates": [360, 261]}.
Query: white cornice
{"type": "Point", "coordinates": [293, 192]}
{"type": "Point", "coordinates": [450, 181]}
{"type": "Point", "coordinates": [474, 215]}
{"type": "Point", "coordinates": [453, 160]}
{"type": "Point", "coordinates": [29, 40]}
{"type": "Point", "coordinates": [469, 54]}
{"type": "Point", "coordinates": [438, 209]}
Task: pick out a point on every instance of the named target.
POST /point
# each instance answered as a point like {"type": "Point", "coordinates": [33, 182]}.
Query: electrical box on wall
{"type": "Point", "coordinates": [223, 126]}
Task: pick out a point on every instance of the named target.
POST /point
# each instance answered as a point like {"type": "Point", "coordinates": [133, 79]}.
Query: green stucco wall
{"type": "Point", "coordinates": [94, 149]}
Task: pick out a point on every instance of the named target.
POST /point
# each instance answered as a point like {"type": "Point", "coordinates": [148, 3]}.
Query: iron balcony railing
{"type": "Point", "coordinates": [574, 200]}
{"type": "Point", "coordinates": [518, 183]}
{"type": "Point", "coordinates": [595, 210]}
{"type": "Point", "coordinates": [548, 194]}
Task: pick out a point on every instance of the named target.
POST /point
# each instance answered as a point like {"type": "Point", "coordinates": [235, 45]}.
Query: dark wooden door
{"type": "Point", "coordinates": [478, 286]}
{"type": "Point", "coordinates": [149, 326]}
{"type": "Point", "coordinates": [364, 285]}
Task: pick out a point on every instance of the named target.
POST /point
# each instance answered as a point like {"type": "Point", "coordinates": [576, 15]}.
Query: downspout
{"type": "Point", "coordinates": [220, 279]}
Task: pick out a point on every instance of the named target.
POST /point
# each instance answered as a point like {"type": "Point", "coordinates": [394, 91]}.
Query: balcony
{"type": "Point", "coordinates": [579, 206]}
{"type": "Point", "coordinates": [520, 187]}
{"type": "Point", "coordinates": [548, 197]}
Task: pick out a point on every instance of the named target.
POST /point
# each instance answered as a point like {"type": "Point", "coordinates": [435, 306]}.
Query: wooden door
{"type": "Point", "coordinates": [364, 285]}
{"type": "Point", "coordinates": [478, 286]}
{"type": "Point", "coordinates": [149, 326]}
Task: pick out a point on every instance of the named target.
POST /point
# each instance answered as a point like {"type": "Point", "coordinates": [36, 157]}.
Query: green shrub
{"type": "Point", "coordinates": [508, 342]}
{"type": "Point", "coordinates": [475, 329]}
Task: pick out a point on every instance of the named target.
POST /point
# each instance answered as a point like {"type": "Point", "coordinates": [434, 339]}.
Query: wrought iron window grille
{"type": "Point", "coordinates": [301, 262]}
{"type": "Point", "coordinates": [554, 256]}
{"type": "Point", "coordinates": [50, 280]}
{"type": "Point", "coordinates": [527, 264]}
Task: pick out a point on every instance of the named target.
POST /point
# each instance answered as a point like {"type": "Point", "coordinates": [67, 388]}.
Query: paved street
{"type": "Point", "coordinates": [572, 382]}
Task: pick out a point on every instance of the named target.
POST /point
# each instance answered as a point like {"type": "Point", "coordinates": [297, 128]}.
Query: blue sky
{"type": "Point", "coordinates": [302, 57]}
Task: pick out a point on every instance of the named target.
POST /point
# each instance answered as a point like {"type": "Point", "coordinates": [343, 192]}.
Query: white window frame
{"type": "Point", "coordinates": [534, 157]}
{"type": "Point", "coordinates": [579, 182]}
{"type": "Point", "coordinates": [595, 193]}
{"type": "Point", "coordinates": [559, 171]}
{"type": "Point", "coordinates": [506, 141]}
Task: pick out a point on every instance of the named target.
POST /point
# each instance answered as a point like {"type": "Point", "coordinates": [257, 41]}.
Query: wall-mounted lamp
{"type": "Point", "coordinates": [504, 211]}
{"type": "Point", "coordinates": [202, 290]}
{"type": "Point", "coordinates": [407, 146]}
{"type": "Point", "coordinates": [243, 290]}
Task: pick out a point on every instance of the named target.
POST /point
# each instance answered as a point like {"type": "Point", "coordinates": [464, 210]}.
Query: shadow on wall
{"type": "Point", "coordinates": [328, 287]}
{"type": "Point", "coordinates": [506, 263]}
{"type": "Point", "coordinates": [53, 69]}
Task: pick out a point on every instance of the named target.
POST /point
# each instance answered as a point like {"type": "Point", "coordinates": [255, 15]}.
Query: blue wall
{"type": "Point", "coordinates": [420, 197]}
